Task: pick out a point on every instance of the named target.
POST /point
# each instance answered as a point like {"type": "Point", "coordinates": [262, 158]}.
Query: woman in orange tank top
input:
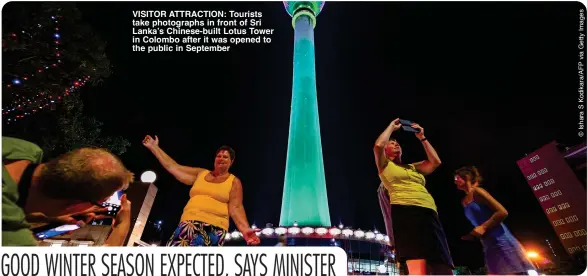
{"type": "Point", "coordinates": [214, 197]}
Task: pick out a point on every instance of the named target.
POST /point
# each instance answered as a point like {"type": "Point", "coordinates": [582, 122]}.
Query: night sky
{"type": "Point", "coordinates": [489, 82]}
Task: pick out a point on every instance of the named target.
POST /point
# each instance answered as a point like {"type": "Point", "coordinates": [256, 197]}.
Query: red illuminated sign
{"type": "Point", "coordinates": [560, 194]}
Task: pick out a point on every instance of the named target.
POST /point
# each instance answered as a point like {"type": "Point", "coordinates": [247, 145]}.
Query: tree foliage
{"type": "Point", "coordinates": [30, 44]}
{"type": "Point", "coordinates": [52, 54]}
{"type": "Point", "coordinates": [74, 130]}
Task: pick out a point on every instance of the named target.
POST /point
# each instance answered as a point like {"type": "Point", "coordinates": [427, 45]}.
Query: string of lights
{"type": "Point", "coordinates": [21, 105]}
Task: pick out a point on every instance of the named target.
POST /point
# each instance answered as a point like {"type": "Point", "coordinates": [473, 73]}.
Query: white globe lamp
{"type": "Point", "coordinates": [148, 177]}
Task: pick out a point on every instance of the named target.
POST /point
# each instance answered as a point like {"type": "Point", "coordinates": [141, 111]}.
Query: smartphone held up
{"type": "Point", "coordinates": [407, 126]}
{"type": "Point", "coordinates": [112, 206]}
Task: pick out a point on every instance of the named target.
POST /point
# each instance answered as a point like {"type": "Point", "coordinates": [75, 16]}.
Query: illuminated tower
{"type": "Point", "coordinates": [304, 193]}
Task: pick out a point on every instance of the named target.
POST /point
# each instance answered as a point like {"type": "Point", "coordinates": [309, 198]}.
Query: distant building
{"type": "Point", "coordinates": [557, 178]}
{"type": "Point", "coordinates": [369, 252]}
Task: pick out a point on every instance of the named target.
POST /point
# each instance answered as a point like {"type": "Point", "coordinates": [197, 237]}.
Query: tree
{"type": "Point", "coordinates": [49, 55]}
{"type": "Point", "coordinates": [74, 130]}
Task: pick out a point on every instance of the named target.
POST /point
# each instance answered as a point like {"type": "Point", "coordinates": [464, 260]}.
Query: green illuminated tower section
{"type": "Point", "coordinates": [304, 193]}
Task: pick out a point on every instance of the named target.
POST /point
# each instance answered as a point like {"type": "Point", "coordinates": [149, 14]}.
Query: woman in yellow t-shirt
{"type": "Point", "coordinates": [419, 237]}
{"type": "Point", "coordinates": [214, 197]}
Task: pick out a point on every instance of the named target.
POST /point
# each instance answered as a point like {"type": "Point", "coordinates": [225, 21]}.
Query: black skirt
{"type": "Point", "coordinates": [418, 234]}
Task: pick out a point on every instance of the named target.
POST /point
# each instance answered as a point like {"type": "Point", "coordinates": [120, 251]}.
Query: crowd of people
{"type": "Point", "coordinates": [71, 188]}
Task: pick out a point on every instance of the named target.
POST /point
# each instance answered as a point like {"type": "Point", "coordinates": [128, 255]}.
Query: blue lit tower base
{"type": "Point", "coordinates": [304, 193]}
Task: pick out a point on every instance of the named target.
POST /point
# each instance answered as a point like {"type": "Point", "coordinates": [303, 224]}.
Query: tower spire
{"type": "Point", "coordinates": [305, 200]}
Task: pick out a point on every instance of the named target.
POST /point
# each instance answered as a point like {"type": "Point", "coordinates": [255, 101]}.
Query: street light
{"type": "Point", "coordinates": [148, 177]}
{"type": "Point", "coordinates": [532, 255]}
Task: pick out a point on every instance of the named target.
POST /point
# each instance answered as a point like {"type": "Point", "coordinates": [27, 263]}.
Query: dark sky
{"type": "Point", "coordinates": [489, 82]}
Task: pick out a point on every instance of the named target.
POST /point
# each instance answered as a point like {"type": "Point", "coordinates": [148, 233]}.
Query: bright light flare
{"type": "Point", "coordinates": [532, 254]}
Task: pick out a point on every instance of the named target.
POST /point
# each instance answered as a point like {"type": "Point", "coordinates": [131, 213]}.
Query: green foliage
{"type": "Point", "coordinates": [74, 130]}
{"type": "Point", "coordinates": [28, 46]}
